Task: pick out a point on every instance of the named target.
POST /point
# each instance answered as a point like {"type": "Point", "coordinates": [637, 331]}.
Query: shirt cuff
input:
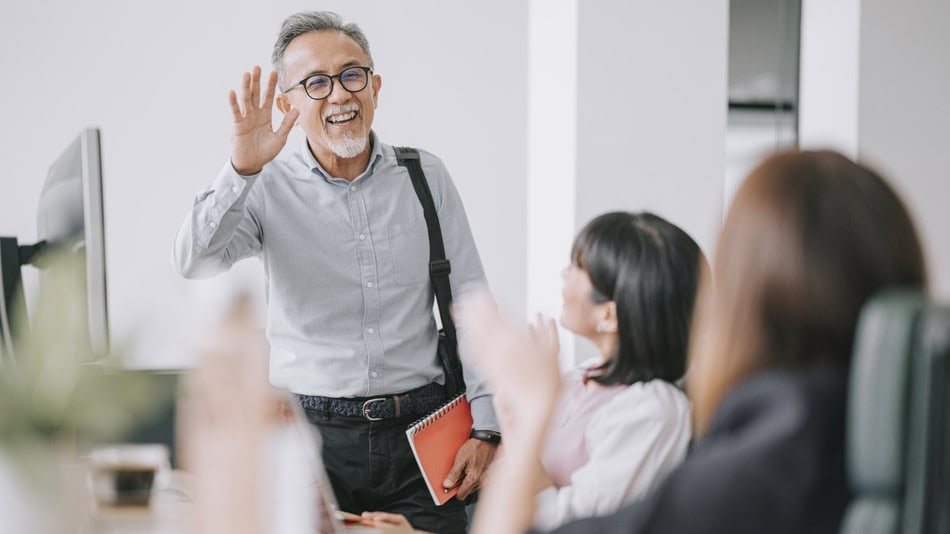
{"type": "Point", "coordinates": [228, 178]}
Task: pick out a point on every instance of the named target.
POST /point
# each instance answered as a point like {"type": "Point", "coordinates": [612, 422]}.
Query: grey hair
{"type": "Point", "coordinates": [313, 21]}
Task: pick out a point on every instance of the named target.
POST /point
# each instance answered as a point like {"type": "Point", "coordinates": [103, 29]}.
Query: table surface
{"type": "Point", "coordinates": [169, 512]}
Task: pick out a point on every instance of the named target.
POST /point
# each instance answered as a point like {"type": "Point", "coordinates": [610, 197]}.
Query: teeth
{"type": "Point", "coordinates": [341, 117]}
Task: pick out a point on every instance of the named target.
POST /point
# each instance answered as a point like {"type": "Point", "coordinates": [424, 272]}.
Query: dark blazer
{"type": "Point", "coordinates": [771, 462]}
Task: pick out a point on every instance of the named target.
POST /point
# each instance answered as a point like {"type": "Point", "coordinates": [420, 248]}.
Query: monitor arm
{"type": "Point", "coordinates": [12, 257]}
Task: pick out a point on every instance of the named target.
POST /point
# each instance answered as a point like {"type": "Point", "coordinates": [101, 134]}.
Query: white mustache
{"type": "Point", "coordinates": [334, 110]}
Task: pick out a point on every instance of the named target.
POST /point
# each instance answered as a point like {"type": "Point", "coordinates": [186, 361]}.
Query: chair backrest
{"type": "Point", "coordinates": [927, 505]}
{"type": "Point", "coordinates": [899, 418]}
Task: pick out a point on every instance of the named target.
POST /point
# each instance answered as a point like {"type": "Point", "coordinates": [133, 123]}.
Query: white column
{"type": "Point", "coordinates": [552, 148]}
{"type": "Point", "coordinates": [651, 112]}
{"type": "Point", "coordinates": [828, 79]}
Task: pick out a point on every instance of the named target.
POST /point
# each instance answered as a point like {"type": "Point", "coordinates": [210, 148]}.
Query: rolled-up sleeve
{"type": "Point", "coordinates": [221, 228]}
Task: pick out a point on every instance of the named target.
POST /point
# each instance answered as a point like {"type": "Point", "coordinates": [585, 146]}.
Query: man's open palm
{"type": "Point", "coordinates": [255, 143]}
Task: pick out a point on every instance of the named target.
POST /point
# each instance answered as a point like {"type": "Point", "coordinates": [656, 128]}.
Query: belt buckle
{"type": "Point", "coordinates": [366, 406]}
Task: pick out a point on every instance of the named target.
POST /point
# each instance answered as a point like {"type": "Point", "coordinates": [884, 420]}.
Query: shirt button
{"type": "Point", "coordinates": [369, 284]}
{"type": "Point", "coordinates": [374, 374]}
{"type": "Point", "coordinates": [362, 237]}
{"type": "Point", "coordinates": [236, 189]}
{"type": "Point", "coordinates": [353, 188]}
{"type": "Point", "coordinates": [212, 224]}
{"type": "Point", "coordinates": [370, 330]}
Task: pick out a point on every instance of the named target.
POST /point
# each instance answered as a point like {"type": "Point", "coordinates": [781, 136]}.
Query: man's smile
{"type": "Point", "coordinates": [342, 118]}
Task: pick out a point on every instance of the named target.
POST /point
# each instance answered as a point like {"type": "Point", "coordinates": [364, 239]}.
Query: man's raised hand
{"type": "Point", "coordinates": [255, 142]}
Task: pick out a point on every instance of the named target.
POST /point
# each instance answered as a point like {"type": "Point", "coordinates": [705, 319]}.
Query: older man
{"type": "Point", "coordinates": [344, 246]}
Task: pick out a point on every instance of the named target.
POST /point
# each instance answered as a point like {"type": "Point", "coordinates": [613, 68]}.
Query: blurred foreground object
{"type": "Point", "coordinates": [254, 456]}
{"type": "Point", "coordinates": [125, 475]}
{"type": "Point", "coordinates": [224, 419]}
{"type": "Point", "coordinates": [55, 387]}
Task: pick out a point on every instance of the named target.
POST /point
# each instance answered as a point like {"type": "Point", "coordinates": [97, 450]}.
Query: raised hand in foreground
{"type": "Point", "coordinates": [227, 413]}
{"type": "Point", "coordinates": [521, 366]}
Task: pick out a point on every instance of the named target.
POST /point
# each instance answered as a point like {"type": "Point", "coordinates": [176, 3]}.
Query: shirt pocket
{"type": "Point", "coordinates": [409, 245]}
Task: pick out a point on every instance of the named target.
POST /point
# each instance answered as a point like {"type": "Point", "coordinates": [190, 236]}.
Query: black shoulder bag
{"type": "Point", "coordinates": [439, 269]}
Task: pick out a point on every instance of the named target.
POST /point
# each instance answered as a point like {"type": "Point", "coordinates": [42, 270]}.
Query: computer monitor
{"type": "Point", "coordinates": [70, 225]}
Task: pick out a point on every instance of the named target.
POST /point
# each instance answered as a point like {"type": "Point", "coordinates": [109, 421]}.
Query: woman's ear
{"type": "Point", "coordinates": [608, 321]}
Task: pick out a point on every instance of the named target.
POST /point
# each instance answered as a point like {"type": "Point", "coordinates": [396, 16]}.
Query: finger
{"type": "Point", "coordinates": [467, 486]}
{"type": "Point", "coordinates": [246, 92]}
{"type": "Point", "coordinates": [271, 88]}
{"type": "Point", "coordinates": [235, 108]}
{"type": "Point", "coordinates": [384, 522]}
{"type": "Point", "coordinates": [290, 118]}
{"type": "Point", "coordinates": [256, 86]}
{"type": "Point", "coordinates": [537, 329]}
{"type": "Point", "coordinates": [369, 519]}
{"type": "Point", "coordinates": [455, 474]}
{"type": "Point", "coordinates": [552, 334]}
{"type": "Point", "coordinates": [385, 518]}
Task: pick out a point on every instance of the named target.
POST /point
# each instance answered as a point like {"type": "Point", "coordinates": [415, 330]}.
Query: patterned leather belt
{"type": "Point", "coordinates": [418, 402]}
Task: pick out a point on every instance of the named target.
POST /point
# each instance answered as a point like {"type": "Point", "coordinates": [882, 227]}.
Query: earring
{"type": "Point", "coordinates": [600, 327]}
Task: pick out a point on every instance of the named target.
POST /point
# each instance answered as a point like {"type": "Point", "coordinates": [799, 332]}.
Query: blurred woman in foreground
{"type": "Point", "coordinates": [809, 238]}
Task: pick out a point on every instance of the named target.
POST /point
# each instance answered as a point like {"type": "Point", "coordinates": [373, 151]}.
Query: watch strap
{"type": "Point", "coordinates": [486, 435]}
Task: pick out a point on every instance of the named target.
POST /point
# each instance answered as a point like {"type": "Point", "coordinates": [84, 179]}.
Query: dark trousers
{"type": "Point", "coordinates": [371, 468]}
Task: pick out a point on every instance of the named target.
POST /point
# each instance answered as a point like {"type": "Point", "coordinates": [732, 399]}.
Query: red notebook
{"type": "Point", "coordinates": [436, 439]}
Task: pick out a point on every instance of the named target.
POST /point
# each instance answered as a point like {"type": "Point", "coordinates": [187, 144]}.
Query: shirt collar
{"type": "Point", "coordinates": [376, 153]}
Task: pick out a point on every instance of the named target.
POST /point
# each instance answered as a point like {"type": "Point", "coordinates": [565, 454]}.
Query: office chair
{"type": "Point", "coordinates": [899, 418]}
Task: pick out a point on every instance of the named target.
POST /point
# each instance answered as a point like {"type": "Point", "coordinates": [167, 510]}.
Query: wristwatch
{"type": "Point", "coordinates": [486, 435]}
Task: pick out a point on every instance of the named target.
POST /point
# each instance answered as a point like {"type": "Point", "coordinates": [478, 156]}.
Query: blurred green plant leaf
{"type": "Point", "coordinates": [57, 386]}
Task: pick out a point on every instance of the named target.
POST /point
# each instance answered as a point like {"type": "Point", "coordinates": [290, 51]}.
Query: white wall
{"type": "Point", "coordinates": [552, 155]}
{"type": "Point", "coordinates": [904, 114]}
{"type": "Point", "coordinates": [875, 80]}
{"type": "Point", "coordinates": [828, 81]}
{"type": "Point", "coordinates": [155, 77]}
{"type": "Point", "coordinates": [652, 112]}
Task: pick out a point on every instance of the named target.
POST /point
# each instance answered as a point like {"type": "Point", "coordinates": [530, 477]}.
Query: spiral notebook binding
{"type": "Point", "coordinates": [429, 419]}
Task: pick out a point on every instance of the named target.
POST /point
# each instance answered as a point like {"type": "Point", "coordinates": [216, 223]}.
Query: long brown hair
{"type": "Point", "coordinates": [809, 238]}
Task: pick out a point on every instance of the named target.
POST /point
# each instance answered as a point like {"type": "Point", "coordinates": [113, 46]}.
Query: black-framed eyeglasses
{"type": "Point", "coordinates": [319, 86]}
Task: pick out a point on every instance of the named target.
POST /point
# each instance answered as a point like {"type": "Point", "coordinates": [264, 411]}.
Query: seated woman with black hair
{"type": "Point", "coordinates": [621, 423]}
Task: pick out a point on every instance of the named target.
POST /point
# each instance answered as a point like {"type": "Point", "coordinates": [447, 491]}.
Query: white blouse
{"type": "Point", "coordinates": [632, 441]}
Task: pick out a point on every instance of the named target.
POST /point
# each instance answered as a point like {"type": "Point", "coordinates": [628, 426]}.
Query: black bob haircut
{"type": "Point", "coordinates": [651, 269]}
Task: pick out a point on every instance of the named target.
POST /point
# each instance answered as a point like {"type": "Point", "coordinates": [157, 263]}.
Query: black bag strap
{"type": "Point", "coordinates": [439, 268]}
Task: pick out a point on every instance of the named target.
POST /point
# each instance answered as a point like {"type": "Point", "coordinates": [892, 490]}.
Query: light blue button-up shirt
{"type": "Point", "coordinates": [348, 292]}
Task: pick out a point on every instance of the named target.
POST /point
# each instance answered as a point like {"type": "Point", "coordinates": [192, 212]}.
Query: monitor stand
{"type": "Point", "coordinates": [12, 257]}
